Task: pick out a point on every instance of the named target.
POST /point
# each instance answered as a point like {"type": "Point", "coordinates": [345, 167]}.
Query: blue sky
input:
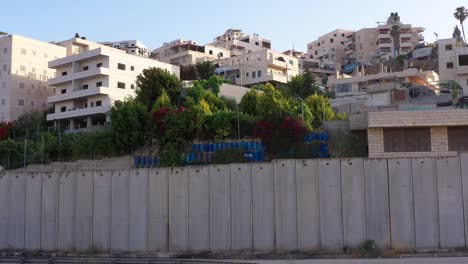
{"type": "Point", "coordinates": [286, 23]}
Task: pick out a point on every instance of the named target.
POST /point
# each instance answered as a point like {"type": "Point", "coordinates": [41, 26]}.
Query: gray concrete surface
{"type": "Point", "coordinates": [370, 261]}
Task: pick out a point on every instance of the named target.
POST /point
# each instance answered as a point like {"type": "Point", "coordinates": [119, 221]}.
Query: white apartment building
{"type": "Point", "coordinates": [134, 47]}
{"type": "Point", "coordinates": [24, 74]}
{"type": "Point", "coordinates": [453, 62]}
{"type": "Point", "coordinates": [185, 52]}
{"type": "Point", "coordinates": [90, 79]}
{"type": "Point", "coordinates": [329, 48]}
{"type": "Point", "coordinates": [240, 43]}
{"type": "Point", "coordinates": [258, 67]}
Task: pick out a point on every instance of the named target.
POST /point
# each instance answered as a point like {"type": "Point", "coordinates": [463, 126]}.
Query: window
{"type": "Point", "coordinates": [247, 74]}
{"type": "Point", "coordinates": [121, 66]}
{"type": "Point", "coordinates": [342, 35]}
{"type": "Point", "coordinates": [85, 68]}
{"type": "Point", "coordinates": [257, 44]}
{"type": "Point", "coordinates": [332, 40]}
{"type": "Point", "coordinates": [92, 104]}
{"type": "Point", "coordinates": [457, 139]}
{"type": "Point", "coordinates": [22, 68]}
{"type": "Point", "coordinates": [84, 87]}
{"type": "Point", "coordinates": [254, 74]}
{"type": "Point", "coordinates": [449, 65]}
{"type": "Point", "coordinates": [132, 86]}
{"type": "Point", "coordinates": [64, 73]}
{"type": "Point", "coordinates": [20, 102]}
{"type": "Point", "coordinates": [259, 73]}
{"type": "Point", "coordinates": [98, 103]}
{"type": "Point", "coordinates": [291, 62]}
{"type": "Point", "coordinates": [99, 65]}
{"type": "Point", "coordinates": [63, 109]}
{"type": "Point", "coordinates": [121, 85]}
{"type": "Point", "coordinates": [98, 84]}
{"type": "Point", "coordinates": [210, 52]}
{"type": "Point", "coordinates": [63, 91]}
{"type": "Point", "coordinates": [407, 139]}
{"type": "Point", "coordinates": [5, 50]}
{"type": "Point", "coordinates": [23, 51]}
{"type": "Point", "coordinates": [21, 85]}
{"type": "Point", "coordinates": [448, 47]}
{"type": "Point", "coordinates": [132, 68]}
{"type": "Point", "coordinates": [463, 60]}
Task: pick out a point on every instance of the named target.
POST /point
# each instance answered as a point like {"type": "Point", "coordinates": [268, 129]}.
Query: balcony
{"type": "Point", "coordinates": [78, 94]}
{"type": "Point", "coordinates": [79, 113]}
{"type": "Point", "coordinates": [78, 57]}
{"type": "Point", "coordinates": [279, 64]}
{"type": "Point", "coordinates": [461, 70]}
{"type": "Point", "coordinates": [78, 76]}
{"type": "Point", "coordinates": [405, 35]}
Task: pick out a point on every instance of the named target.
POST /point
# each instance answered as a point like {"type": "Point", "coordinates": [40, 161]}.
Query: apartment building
{"type": "Point", "coordinates": [361, 47]}
{"type": "Point", "coordinates": [240, 43]}
{"type": "Point", "coordinates": [185, 52]}
{"type": "Point", "coordinates": [90, 79]}
{"type": "Point", "coordinates": [453, 62]}
{"type": "Point", "coordinates": [258, 67]}
{"type": "Point", "coordinates": [24, 74]}
{"type": "Point", "coordinates": [329, 48]}
{"type": "Point", "coordinates": [134, 47]}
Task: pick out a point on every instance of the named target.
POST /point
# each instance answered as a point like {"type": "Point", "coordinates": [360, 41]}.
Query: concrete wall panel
{"type": "Point", "coordinates": [199, 209]}
{"type": "Point", "coordinates": [308, 219]}
{"type": "Point", "coordinates": [331, 225]}
{"type": "Point", "coordinates": [102, 209]}
{"type": "Point", "coordinates": [84, 210]}
{"type": "Point", "coordinates": [17, 214]}
{"type": "Point", "coordinates": [285, 204]}
{"type": "Point", "coordinates": [220, 208]}
{"type": "Point", "coordinates": [377, 211]}
{"type": "Point", "coordinates": [178, 209]}
{"type": "Point", "coordinates": [464, 171]}
{"type": "Point", "coordinates": [4, 208]}
{"type": "Point", "coordinates": [158, 210]}
{"type": "Point", "coordinates": [401, 203]}
{"type": "Point", "coordinates": [263, 207]}
{"type": "Point", "coordinates": [426, 209]}
{"type": "Point", "coordinates": [50, 204]}
{"type": "Point", "coordinates": [354, 208]}
{"type": "Point", "coordinates": [66, 211]}
{"type": "Point", "coordinates": [120, 210]}
{"type": "Point", "coordinates": [33, 211]}
{"type": "Point", "coordinates": [241, 206]}
{"type": "Point", "coordinates": [452, 230]}
{"type": "Point", "coordinates": [138, 234]}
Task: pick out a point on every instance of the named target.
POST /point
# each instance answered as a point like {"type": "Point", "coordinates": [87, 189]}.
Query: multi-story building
{"type": "Point", "coordinates": [90, 79]}
{"type": "Point", "coordinates": [24, 74]}
{"type": "Point", "coordinates": [329, 48]}
{"type": "Point", "coordinates": [258, 67]}
{"type": "Point", "coordinates": [453, 62]}
{"type": "Point", "coordinates": [361, 47]}
{"type": "Point", "coordinates": [240, 43]}
{"type": "Point", "coordinates": [185, 52]}
{"type": "Point", "coordinates": [134, 47]}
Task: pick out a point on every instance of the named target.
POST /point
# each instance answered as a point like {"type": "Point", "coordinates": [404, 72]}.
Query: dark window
{"type": "Point", "coordinates": [332, 40]}
{"type": "Point", "coordinates": [448, 47]}
{"type": "Point", "coordinates": [256, 43]}
{"type": "Point", "coordinates": [457, 138]}
{"type": "Point", "coordinates": [98, 84]}
{"type": "Point", "coordinates": [85, 68]}
{"type": "Point", "coordinates": [121, 85]}
{"type": "Point", "coordinates": [210, 52]}
{"type": "Point", "coordinates": [98, 103]}
{"type": "Point", "coordinates": [92, 104]}
{"type": "Point", "coordinates": [342, 35]}
{"type": "Point", "coordinates": [259, 73]}
{"type": "Point", "coordinates": [247, 74]}
{"type": "Point", "coordinates": [121, 66]}
{"type": "Point", "coordinates": [64, 73]}
{"type": "Point", "coordinates": [64, 91]}
{"type": "Point", "coordinates": [99, 65]}
{"type": "Point", "coordinates": [463, 60]}
{"type": "Point", "coordinates": [407, 139]}
{"type": "Point", "coordinates": [449, 65]}
{"type": "Point", "coordinates": [63, 109]}
{"type": "Point", "coordinates": [84, 87]}
{"type": "Point", "coordinates": [254, 74]}
{"type": "Point", "coordinates": [132, 86]}
{"type": "Point", "coordinates": [132, 68]}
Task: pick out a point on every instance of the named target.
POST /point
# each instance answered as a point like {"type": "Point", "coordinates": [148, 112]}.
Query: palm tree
{"type": "Point", "coordinates": [457, 34]}
{"type": "Point", "coordinates": [460, 15]}
{"type": "Point", "coordinates": [395, 33]}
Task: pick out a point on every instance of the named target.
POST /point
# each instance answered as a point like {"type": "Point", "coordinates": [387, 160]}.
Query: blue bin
{"type": "Point", "coordinates": [325, 136]}
{"type": "Point", "coordinates": [142, 161]}
{"type": "Point", "coordinates": [136, 161]}
{"type": "Point", "coordinates": [210, 147]}
{"type": "Point", "coordinates": [154, 162]}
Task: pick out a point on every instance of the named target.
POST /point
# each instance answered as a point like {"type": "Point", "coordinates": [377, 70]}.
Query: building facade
{"type": "Point", "coordinates": [453, 62]}
{"type": "Point", "coordinates": [24, 74]}
{"type": "Point", "coordinates": [133, 47]}
{"type": "Point", "coordinates": [329, 48]}
{"type": "Point", "coordinates": [240, 43]}
{"type": "Point", "coordinates": [90, 79]}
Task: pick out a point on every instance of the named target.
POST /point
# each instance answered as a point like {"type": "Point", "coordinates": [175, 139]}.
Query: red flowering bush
{"type": "Point", "coordinates": [5, 129]}
{"type": "Point", "coordinates": [279, 135]}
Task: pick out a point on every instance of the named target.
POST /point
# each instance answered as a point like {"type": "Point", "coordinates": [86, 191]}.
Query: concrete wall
{"type": "Point", "coordinates": [283, 206]}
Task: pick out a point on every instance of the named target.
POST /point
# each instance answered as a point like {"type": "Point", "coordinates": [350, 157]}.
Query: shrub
{"type": "Point", "coordinates": [229, 156]}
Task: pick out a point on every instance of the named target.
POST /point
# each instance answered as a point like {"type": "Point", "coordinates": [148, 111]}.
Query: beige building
{"type": "Point", "coordinates": [432, 133]}
{"type": "Point", "coordinates": [24, 74]}
{"type": "Point", "coordinates": [258, 67]}
{"type": "Point", "coordinates": [90, 79]}
{"type": "Point", "coordinates": [329, 48]}
{"type": "Point", "coordinates": [453, 62]}
{"type": "Point", "coordinates": [185, 52]}
{"type": "Point", "coordinates": [240, 43]}
{"type": "Point", "coordinates": [134, 47]}
{"type": "Point", "coordinates": [361, 46]}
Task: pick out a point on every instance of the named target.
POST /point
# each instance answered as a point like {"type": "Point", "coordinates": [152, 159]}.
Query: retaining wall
{"type": "Point", "coordinates": [286, 205]}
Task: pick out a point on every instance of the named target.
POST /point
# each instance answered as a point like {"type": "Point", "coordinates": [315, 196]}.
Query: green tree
{"type": "Point", "coordinates": [205, 69]}
{"type": "Point", "coordinates": [29, 125]}
{"type": "Point", "coordinates": [457, 34]}
{"type": "Point", "coordinates": [395, 32]}
{"type": "Point", "coordinates": [272, 102]}
{"type": "Point", "coordinates": [162, 101]}
{"type": "Point", "coordinates": [188, 72]}
{"type": "Point", "coordinates": [460, 15]}
{"type": "Point", "coordinates": [303, 85]}
{"type": "Point", "coordinates": [129, 121]}
{"type": "Point", "coordinates": [319, 106]}
{"type": "Point", "coordinates": [152, 82]}
{"type": "Point", "coordinates": [249, 102]}
{"type": "Point", "coordinates": [213, 84]}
